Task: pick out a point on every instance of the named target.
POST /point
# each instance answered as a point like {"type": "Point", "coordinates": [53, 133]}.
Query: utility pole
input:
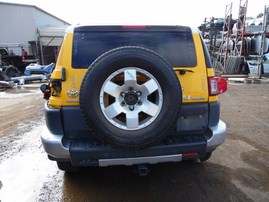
{"type": "Point", "coordinates": [264, 30]}
{"type": "Point", "coordinates": [241, 21]}
{"type": "Point", "coordinates": [226, 33]}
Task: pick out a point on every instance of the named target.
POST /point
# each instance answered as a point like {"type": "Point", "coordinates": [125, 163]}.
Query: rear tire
{"type": "Point", "coordinates": [206, 157]}
{"type": "Point", "coordinates": [67, 167]}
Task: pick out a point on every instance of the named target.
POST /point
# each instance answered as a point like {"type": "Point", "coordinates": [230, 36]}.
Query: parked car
{"type": "Point", "coordinates": [39, 69]}
{"type": "Point", "coordinates": [132, 95]}
{"type": "Point", "coordinates": [18, 61]}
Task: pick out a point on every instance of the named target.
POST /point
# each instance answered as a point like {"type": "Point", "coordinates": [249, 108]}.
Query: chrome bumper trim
{"type": "Point", "coordinates": [140, 160]}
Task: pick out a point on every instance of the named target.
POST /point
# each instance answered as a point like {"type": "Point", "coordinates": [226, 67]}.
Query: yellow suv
{"type": "Point", "coordinates": [132, 95]}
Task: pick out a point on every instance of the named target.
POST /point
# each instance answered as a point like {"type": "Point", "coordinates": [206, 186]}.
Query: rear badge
{"type": "Point", "coordinates": [194, 98]}
{"type": "Point", "coordinates": [72, 93]}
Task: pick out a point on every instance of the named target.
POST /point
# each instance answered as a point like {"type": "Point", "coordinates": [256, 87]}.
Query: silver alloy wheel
{"type": "Point", "coordinates": [131, 98]}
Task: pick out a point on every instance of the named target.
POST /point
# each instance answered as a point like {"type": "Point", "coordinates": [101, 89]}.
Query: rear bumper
{"type": "Point", "coordinates": [93, 153]}
{"type": "Point", "coordinates": [53, 145]}
{"type": "Point", "coordinates": [218, 136]}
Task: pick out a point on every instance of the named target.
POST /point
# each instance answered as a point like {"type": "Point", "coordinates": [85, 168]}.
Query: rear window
{"type": "Point", "coordinates": [176, 47]}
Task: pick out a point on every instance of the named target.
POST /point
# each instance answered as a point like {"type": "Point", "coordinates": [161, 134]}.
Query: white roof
{"type": "Point", "coordinates": [57, 31]}
{"type": "Point", "coordinates": [51, 36]}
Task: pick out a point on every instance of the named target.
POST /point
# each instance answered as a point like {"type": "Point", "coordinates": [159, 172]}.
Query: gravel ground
{"type": "Point", "coordinates": [237, 171]}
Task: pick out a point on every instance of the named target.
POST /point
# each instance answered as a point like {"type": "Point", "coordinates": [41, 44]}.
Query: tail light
{"type": "Point", "coordinates": [56, 86]}
{"type": "Point", "coordinates": [191, 154]}
{"type": "Point", "coordinates": [53, 88]}
{"type": "Point", "coordinates": [57, 77]}
{"type": "Point", "coordinates": [45, 88]}
{"type": "Point", "coordinates": [217, 85]}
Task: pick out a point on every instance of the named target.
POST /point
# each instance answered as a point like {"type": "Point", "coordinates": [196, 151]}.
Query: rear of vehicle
{"type": "Point", "coordinates": [125, 95]}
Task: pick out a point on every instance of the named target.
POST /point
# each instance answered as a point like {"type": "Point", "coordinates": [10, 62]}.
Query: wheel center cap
{"type": "Point", "coordinates": [131, 98]}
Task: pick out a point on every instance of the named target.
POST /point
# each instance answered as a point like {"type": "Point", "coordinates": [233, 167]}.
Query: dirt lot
{"type": "Point", "coordinates": [18, 105]}
{"type": "Point", "coordinates": [237, 171]}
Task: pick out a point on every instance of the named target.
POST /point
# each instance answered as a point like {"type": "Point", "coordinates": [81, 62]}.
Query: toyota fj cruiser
{"type": "Point", "coordinates": [132, 95]}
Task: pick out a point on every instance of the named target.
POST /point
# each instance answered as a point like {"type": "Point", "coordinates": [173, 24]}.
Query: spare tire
{"type": "Point", "coordinates": [130, 96]}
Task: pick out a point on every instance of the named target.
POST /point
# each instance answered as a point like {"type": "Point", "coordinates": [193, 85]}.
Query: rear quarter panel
{"type": "Point", "coordinates": [195, 84]}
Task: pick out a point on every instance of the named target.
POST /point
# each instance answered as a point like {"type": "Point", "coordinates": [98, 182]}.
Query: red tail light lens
{"type": "Point", "coordinates": [191, 154]}
{"type": "Point", "coordinates": [217, 85]}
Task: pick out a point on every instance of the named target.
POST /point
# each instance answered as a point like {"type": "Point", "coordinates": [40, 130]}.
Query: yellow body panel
{"type": "Point", "coordinates": [57, 74]}
{"type": "Point", "coordinates": [74, 76]}
{"type": "Point", "coordinates": [194, 84]}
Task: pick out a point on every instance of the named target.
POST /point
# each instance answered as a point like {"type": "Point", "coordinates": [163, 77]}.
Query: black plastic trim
{"type": "Point", "coordinates": [193, 118]}
{"type": "Point", "coordinates": [68, 120]}
{"type": "Point", "coordinates": [194, 109]}
{"type": "Point", "coordinates": [214, 113]}
{"type": "Point", "coordinates": [74, 125]}
{"type": "Point", "coordinates": [85, 152]}
{"type": "Point", "coordinates": [53, 120]}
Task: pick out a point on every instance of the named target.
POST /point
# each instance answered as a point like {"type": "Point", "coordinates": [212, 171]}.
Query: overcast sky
{"type": "Point", "coordinates": [141, 12]}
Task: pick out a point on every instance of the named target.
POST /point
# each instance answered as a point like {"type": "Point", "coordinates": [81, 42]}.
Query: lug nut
{"type": "Point", "coordinates": [139, 103]}
{"type": "Point", "coordinates": [123, 103]}
{"type": "Point", "coordinates": [131, 107]}
{"type": "Point", "coordinates": [122, 94]}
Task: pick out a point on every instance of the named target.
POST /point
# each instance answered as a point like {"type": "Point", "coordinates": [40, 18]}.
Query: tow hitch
{"type": "Point", "coordinates": [142, 170]}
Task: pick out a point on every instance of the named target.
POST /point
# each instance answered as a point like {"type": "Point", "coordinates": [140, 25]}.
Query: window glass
{"type": "Point", "coordinates": [176, 47]}
{"type": "Point", "coordinates": [207, 55]}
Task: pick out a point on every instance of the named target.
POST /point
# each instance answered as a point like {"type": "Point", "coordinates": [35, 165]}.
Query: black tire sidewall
{"type": "Point", "coordinates": [112, 61]}
{"type": "Point", "coordinates": [12, 72]}
{"type": "Point", "coordinates": [2, 77]}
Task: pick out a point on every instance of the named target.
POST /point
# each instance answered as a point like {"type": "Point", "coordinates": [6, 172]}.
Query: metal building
{"type": "Point", "coordinates": [37, 31]}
